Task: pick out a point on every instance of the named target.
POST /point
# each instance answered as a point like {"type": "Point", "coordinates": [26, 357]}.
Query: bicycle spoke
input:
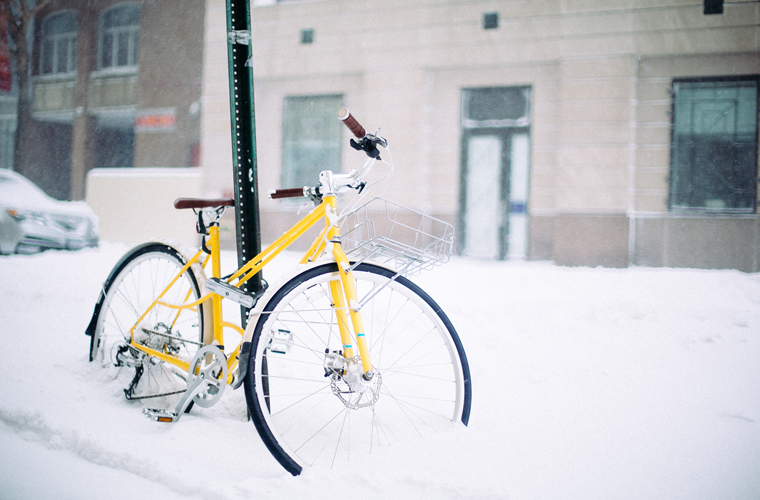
{"type": "Point", "coordinates": [324, 411]}
{"type": "Point", "coordinates": [143, 275]}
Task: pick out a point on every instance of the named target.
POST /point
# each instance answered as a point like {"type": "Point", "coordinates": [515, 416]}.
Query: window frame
{"type": "Point", "coordinates": [672, 206]}
{"type": "Point", "coordinates": [133, 32]}
{"type": "Point", "coordinates": [70, 38]}
{"type": "Point", "coordinates": [505, 129]}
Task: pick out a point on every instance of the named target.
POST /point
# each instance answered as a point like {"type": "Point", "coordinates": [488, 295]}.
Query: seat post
{"type": "Point", "coordinates": [216, 272]}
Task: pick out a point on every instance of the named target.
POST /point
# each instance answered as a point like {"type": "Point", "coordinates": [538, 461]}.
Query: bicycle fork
{"type": "Point", "coordinates": [344, 297]}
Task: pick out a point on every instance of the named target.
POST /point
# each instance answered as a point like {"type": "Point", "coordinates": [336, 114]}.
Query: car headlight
{"type": "Point", "coordinates": [26, 215]}
{"type": "Point", "coordinates": [68, 223]}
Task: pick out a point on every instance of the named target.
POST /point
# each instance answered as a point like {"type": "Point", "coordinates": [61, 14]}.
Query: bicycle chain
{"type": "Point", "coordinates": [146, 330]}
{"type": "Point", "coordinates": [138, 374]}
{"type": "Point", "coordinates": [137, 398]}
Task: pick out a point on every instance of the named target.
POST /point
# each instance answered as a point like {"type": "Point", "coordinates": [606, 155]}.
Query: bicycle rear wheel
{"type": "Point", "coordinates": [135, 282]}
{"type": "Point", "coordinates": [307, 415]}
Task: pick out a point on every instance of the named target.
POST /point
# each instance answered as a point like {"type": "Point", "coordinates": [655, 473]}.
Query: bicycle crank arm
{"type": "Point", "coordinates": [167, 415]}
{"type": "Point", "coordinates": [206, 381]}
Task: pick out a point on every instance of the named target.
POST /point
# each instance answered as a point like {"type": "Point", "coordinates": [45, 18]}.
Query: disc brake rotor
{"type": "Point", "coordinates": [351, 387]}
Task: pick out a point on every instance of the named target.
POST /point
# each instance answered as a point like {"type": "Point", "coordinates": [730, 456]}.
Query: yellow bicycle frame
{"type": "Point", "coordinates": [343, 292]}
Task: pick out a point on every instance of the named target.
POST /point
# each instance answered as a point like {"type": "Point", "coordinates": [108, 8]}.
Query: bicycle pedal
{"type": "Point", "coordinates": [161, 415]}
{"type": "Point", "coordinates": [228, 291]}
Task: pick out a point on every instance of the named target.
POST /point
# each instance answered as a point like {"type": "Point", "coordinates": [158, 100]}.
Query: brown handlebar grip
{"type": "Point", "coordinates": [350, 122]}
{"type": "Point", "coordinates": [286, 193]}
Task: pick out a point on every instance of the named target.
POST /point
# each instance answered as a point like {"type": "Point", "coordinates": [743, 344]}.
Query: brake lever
{"type": "Point", "coordinates": [379, 140]}
{"type": "Point", "coordinates": [368, 144]}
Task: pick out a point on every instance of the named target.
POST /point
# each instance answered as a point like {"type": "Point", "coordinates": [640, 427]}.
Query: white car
{"type": "Point", "coordinates": [32, 221]}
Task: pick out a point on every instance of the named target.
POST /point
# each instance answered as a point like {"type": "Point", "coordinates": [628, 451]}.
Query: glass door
{"type": "Point", "coordinates": [493, 213]}
{"type": "Point", "coordinates": [483, 205]}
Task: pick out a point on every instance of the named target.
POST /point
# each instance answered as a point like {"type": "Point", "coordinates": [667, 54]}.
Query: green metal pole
{"type": "Point", "coordinates": [243, 138]}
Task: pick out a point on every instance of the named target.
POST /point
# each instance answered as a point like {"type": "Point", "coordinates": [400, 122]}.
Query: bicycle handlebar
{"type": "Point", "coordinates": [350, 122]}
{"type": "Point", "coordinates": [287, 193]}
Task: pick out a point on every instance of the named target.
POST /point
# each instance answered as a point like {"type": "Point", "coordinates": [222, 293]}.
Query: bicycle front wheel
{"type": "Point", "coordinates": [305, 399]}
{"type": "Point", "coordinates": [136, 281]}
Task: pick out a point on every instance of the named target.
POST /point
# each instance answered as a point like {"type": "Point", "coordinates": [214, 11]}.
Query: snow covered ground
{"type": "Point", "coordinates": [587, 384]}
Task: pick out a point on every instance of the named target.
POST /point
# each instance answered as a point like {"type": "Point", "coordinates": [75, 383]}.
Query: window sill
{"type": "Point", "coordinates": [115, 72]}
{"type": "Point", "coordinates": [723, 212]}
{"type": "Point", "coordinates": [56, 77]}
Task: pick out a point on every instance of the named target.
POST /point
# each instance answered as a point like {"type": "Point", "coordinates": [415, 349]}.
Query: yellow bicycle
{"type": "Point", "coordinates": [343, 355]}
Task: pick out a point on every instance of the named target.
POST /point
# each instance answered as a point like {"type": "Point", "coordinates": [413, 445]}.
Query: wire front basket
{"type": "Point", "coordinates": [390, 234]}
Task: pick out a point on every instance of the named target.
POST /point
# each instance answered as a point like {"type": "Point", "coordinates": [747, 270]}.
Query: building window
{"type": "Point", "coordinates": [491, 20]}
{"type": "Point", "coordinates": [496, 107]}
{"type": "Point", "coordinates": [311, 138]}
{"type": "Point", "coordinates": [7, 138]}
{"type": "Point", "coordinates": [307, 36]}
{"type": "Point", "coordinates": [58, 54]}
{"type": "Point", "coordinates": [714, 148]}
{"type": "Point", "coordinates": [119, 35]}
{"type": "Point", "coordinates": [115, 146]}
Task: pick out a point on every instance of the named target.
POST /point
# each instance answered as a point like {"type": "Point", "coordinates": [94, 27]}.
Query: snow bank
{"type": "Point", "coordinates": [587, 384]}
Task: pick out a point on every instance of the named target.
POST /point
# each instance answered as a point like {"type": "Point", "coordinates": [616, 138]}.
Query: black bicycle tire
{"type": "Point", "coordinates": [120, 266]}
{"type": "Point", "coordinates": [124, 263]}
{"type": "Point", "coordinates": [255, 409]}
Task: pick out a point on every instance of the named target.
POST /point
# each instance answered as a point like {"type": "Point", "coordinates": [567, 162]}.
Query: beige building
{"type": "Point", "coordinates": [615, 133]}
{"type": "Point", "coordinates": [588, 132]}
